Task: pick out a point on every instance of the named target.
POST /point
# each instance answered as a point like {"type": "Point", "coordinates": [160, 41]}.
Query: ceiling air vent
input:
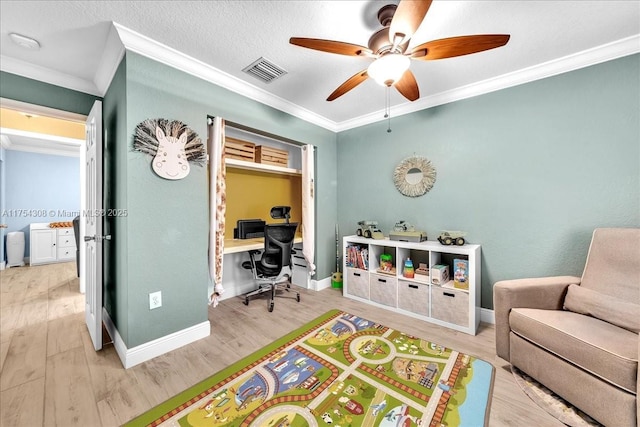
{"type": "Point", "coordinates": [264, 70]}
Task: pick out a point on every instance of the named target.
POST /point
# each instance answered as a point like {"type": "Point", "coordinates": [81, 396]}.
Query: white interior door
{"type": "Point", "coordinates": [92, 218]}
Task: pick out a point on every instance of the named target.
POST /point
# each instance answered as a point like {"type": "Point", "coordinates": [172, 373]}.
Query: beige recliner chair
{"type": "Point", "coordinates": [579, 336]}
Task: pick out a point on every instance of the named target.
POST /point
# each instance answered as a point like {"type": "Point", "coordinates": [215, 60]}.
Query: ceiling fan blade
{"type": "Point", "coordinates": [408, 86]}
{"type": "Point", "coordinates": [352, 82]}
{"type": "Point", "coordinates": [331, 46]}
{"type": "Point", "coordinates": [407, 18]}
{"type": "Point", "coordinates": [458, 46]}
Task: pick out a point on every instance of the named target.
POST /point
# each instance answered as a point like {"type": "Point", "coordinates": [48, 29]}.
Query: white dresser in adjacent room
{"type": "Point", "coordinates": [48, 245]}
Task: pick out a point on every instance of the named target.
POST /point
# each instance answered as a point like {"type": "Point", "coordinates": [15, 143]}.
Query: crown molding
{"type": "Point", "coordinates": [41, 110]}
{"type": "Point", "coordinates": [47, 75]}
{"type": "Point", "coordinates": [32, 142]}
{"type": "Point", "coordinates": [597, 55]}
{"type": "Point", "coordinates": [111, 57]}
{"type": "Point", "coordinates": [140, 44]}
{"type": "Point", "coordinates": [121, 38]}
{"type": "Point", "coordinates": [145, 46]}
{"type": "Point", "coordinates": [5, 142]}
{"type": "Point", "coordinates": [46, 151]}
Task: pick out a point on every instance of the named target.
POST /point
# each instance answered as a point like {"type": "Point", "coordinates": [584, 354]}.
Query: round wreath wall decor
{"type": "Point", "coordinates": [414, 176]}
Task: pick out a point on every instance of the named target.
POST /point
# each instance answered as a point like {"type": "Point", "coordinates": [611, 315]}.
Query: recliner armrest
{"type": "Point", "coordinates": [545, 293]}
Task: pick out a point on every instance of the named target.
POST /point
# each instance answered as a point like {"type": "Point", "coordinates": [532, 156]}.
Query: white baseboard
{"type": "Point", "coordinates": [487, 316]}
{"type": "Point", "coordinates": [136, 355]}
{"type": "Point", "coordinates": [5, 264]}
{"type": "Point", "coordinates": [232, 290]}
{"type": "Point", "coordinates": [2, 265]}
{"type": "Point", "coordinates": [318, 285]}
{"type": "Point", "coordinates": [237, 288]}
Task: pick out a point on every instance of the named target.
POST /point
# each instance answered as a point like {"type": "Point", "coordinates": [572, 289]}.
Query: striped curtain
{"type": "Point", "coordinates": [217, 208]}
{"type": "Point", "coordinates": [308, 208]}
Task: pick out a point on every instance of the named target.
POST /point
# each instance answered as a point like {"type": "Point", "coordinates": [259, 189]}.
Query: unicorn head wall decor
{"type": "Point", "coordinates": [173, 146]}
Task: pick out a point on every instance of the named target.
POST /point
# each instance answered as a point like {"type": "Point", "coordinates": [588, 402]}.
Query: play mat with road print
{"type": "Point", "coordinates": [338, 370]}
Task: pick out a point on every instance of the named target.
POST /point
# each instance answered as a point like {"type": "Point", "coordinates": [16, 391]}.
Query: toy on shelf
{"type": "Point", "coordinates": [439, 274]}
{"type": "Point", "coordinates": [403, 226]}
{"type": "Point", "coordinates": [408, 270]}
{"type": "Point", "coordinates": [422, 273]}
{"type": "Point", "coordinates": [448, 237]}
{"type": "Point", "coordinates": [369, 229]}
{"type": "Point", "coordinates": [336, 277]}
{"type": "Point", "coordinates": [386, 264]}
{"type": "Point", "coordinates": [405, 232]}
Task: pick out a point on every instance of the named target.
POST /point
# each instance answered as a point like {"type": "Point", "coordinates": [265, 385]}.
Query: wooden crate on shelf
{"type": "Point", "coordinates": [272, 156]}
{"type": "Point", "coordinates": [239, 149]}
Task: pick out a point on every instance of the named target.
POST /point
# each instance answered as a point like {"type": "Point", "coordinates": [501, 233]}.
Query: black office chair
{"type": "Point", "coordinates": [273, 270]}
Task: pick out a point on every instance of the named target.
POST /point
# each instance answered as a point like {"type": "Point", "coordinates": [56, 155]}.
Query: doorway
{"type": "Point", "coordinates": [42, 178]}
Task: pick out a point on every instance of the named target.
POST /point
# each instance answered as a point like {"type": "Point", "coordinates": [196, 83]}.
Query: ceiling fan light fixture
{"type": "Point", "coordinates": [389, 68]}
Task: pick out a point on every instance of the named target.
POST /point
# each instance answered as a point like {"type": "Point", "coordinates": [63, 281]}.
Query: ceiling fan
{"type": "Point", "coordinates": [388, 48]}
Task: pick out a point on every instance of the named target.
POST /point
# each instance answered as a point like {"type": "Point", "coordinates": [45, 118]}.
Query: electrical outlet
{"type": "Point", "coordinates": [155, 300]}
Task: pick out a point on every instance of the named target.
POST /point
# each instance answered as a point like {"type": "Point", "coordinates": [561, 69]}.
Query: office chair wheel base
{"type": "Point", "coordinates": [298, 297]}
{"type": "Point", "coordinates": [271, 306]}
{"type": "Point", "coordinates": [246, 300]}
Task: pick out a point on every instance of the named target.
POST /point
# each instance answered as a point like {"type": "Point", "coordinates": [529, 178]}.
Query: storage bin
{"type": "Point", "coordinates": [15, 249]}
{"type": "Point", "coordinates": [239, 150]}
{"type": "Point", "coordinates": [383, 289]}
{"type": "Point", "coordinates": [358, 282]}
{"type": "Point", "coordinates": [272, 156]}
{"type": "Point", "coordinates": [413, 297]}
{"type": "Point", "coordinates": [450, 305]}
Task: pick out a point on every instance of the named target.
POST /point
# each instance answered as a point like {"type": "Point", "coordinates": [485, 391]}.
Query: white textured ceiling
{"type": "Point", "coordinates": [230, 34]}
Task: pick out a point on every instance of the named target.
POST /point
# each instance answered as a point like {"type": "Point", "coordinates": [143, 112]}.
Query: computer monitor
{"type": "Point", "coordinates": [249, 229]}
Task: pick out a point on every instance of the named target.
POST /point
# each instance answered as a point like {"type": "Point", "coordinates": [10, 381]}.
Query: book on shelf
{"type": "Point", "coordinates": [357, 257]}
{"type": "Point", "coordinates": [461, 274]}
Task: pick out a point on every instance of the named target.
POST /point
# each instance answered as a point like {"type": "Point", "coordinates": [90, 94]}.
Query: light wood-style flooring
{"type": "Point", "coordinates": [51, 376]}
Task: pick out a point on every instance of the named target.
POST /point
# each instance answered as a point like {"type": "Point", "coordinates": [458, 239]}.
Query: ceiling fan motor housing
{"type": "Point", "coordinates": [385, 14]}
{"type": "Point", "coordinates": [379, 42]}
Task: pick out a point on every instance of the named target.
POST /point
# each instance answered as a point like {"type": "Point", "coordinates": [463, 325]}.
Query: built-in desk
{"type": "Point", "coordinates": [234, 246]}
{"type": "Point", "coordinates": [237, 280]}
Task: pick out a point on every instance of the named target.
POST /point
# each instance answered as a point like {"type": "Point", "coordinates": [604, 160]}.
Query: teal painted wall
{"type": "Point", "coordinates": [115, 150]}
{"type": "Point", "coordinates": [167, 226]}
{"type": "Point", "coordinates": [39, 93]}
{"type": "Point", "coordinates": [528, 171]}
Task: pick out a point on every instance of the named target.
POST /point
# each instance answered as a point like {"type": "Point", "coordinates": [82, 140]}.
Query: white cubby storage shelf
{"type": "Point", "coordinates": [418, 297]}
